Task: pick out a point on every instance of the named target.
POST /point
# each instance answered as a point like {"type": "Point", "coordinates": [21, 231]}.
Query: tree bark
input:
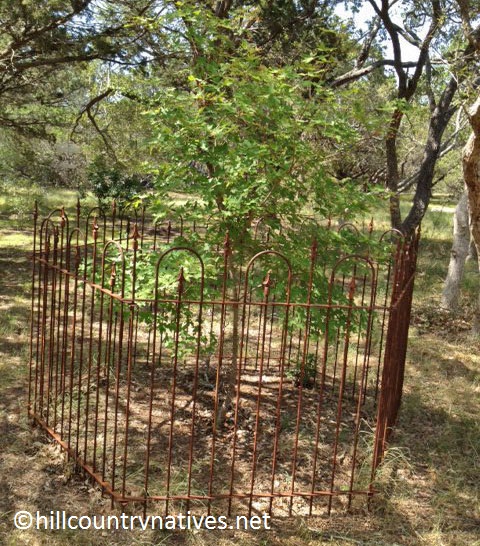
{"type": "Point", "coordinates": [440, 118]}
{"type": "Point", "coordinates": [458, 255]}
{"type": "Point", "coordinates": [471, 175]}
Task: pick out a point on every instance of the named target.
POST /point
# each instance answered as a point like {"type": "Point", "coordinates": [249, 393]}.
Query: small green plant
{"type": "Point", "coordinates": [114, 182]}
{"type": "Point", "coordinates": [309, 372]}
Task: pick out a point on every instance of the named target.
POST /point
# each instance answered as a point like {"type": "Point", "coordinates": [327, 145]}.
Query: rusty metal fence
{"type": "Point", "coordinates": [216, 386]}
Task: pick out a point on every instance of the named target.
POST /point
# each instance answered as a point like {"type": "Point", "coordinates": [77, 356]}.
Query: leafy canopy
{"type": "Point", "coordinates": [248, 141]}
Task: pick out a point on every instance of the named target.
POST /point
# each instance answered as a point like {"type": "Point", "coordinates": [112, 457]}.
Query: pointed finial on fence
{"type": "Point", "coordinates": [351, 288]}
{"type": "Point", "coordinates": [267, 283]}
{"type": "Point", "coordinates": [181, 281]}
{"type": "Point", "coordinates": [226, 244]}
{"type": "Point", "coordinates": [63, 218]}
{"type": "Point", "coordinates": [35, 210]}
{"type": "Point", "coordinates": [113, 276]}
{"type": "Point", "coordinates": [95, 228]}
{"type": "Point", "coordinates": [370, 226]}
{"type": "Point", "coordinates": [114, 207]}
{"type": "Point", "coordinates": [135, 236]}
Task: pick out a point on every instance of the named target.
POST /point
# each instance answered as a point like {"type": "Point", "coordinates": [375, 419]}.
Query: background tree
{"type": "Point", "coordinates": [458, 255]}
{"type": "Point", "coordinates": [471, 164]}
{"type": "Point", "coordinates": [434, 81]}
{"type": "Point", "coordinates": [45, 53]}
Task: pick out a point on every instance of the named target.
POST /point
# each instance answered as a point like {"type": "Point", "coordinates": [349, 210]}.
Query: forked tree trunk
{"type": "Point", "coordinates": [227, 398]}
{"type": "Point", "coordinates": [458, 255]}
{"type": "Point", "coordinates": [471, 174]}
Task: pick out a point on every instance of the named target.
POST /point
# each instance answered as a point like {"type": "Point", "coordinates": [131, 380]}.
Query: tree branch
{"type": "Point", "coordinates": [222, 9]}
{"type": "Point", "coordinates": [87, 109]}
{"type": "Point", "coordinates": [367, 44]}
{"type": "Point", "coordinates": [425, 46]}
{"type": "Point", "coordinates": [358, 73]}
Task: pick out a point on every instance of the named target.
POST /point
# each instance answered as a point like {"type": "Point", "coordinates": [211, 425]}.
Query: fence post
{"type": "Point", "coordinates": [396, 345]}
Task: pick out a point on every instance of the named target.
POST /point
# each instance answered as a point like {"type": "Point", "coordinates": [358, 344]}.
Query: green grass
{"type": "Point", "coordinates": [17, 203]}
{"type": "Point", "coordinates": [428, 484]}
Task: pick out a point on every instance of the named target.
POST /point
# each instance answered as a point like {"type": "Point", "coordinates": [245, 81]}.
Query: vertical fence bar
{"type": "Point", "coordinates": [130, 352]}
{"type": "Point", "coordinates": [112, 323]}
{"type": "Point", "coordinates": [341, 389]}
{"type": "Point", "coordinates": [63, 364]}
{"type": "Point", "coordinates": [51, 341]}
{"type": "Point", "coordinates": [58, 322]}
{"type": "Point", "coordinates": [90, 335]}
{"type": "Point", "coordinates": [267, 283]}
{"type": "Point", "coordinates": [43, 344]}
{"type": "Point", "coordinates": [82, 337]}
{"type": "Point", "coordinates": [75, 232]}
{"type": "Point", "coordinates": [313, 256]}
{"type": "Point", "coordinates": [98, 366]}
{"type": "Point", "coordinates": [32, 310]}
{"type": "Point", "coordinates": [178, 305]}
{"type": "Point", "coordinates": [195, 385]}
{"type": "Point", "coordinates": [226, 256]}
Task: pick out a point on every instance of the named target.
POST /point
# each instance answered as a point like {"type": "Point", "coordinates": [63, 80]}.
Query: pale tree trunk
{"type": "Point", "coordinates": [458, 255]}
{"type": "Point", "coordinates": [471, 175]}
{"type": "Point", "coordinates": [472, 251]}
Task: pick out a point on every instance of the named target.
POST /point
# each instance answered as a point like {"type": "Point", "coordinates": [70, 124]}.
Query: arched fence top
{"type": "Point", "coordinates": [61, 212]}
{"type": "Point", "coordinates": [95, 212]}
{"type": "Point", "coordinates": [350, 226]}
{"type": "Point", "coordinates": [45, 232]}
{"type": "Point", "coordinates": [393, 231]}
{"type": "Point", "coordinates": [115, 244]}
{"type": "Point", "coordinates": [354, 281]}
{"type": "Point", "coordinates": [267, 283]}
{"type": "Point", "coordinates": [80, 235]}
{"type": "Point", "coordinates": [181, 279]}
{"type": "Point", "coordinates": [359, 258]}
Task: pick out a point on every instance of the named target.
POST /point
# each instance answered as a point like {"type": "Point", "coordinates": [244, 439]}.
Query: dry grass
{"type": "Point", "coordinates": [428, 483]}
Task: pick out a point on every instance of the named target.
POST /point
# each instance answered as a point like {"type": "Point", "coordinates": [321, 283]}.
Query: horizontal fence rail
{"type": "Point", "coordinates": [241, 388]}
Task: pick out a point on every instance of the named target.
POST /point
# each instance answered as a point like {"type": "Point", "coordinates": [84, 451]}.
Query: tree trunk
{"type": "Point", "coordinates": [227, 398]}
{"type": "Point", "coordinates": [471, 175]}
{"type": "Point", "coordinates": [458, 255]}
{"type": "Point", "coordinates": [472, 251]}
{"type": "Point", "coordinates": [439, 120]}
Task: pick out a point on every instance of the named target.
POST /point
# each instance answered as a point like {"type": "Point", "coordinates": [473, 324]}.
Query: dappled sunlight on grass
{"type": "Point", "coordinates": [16, 239]}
